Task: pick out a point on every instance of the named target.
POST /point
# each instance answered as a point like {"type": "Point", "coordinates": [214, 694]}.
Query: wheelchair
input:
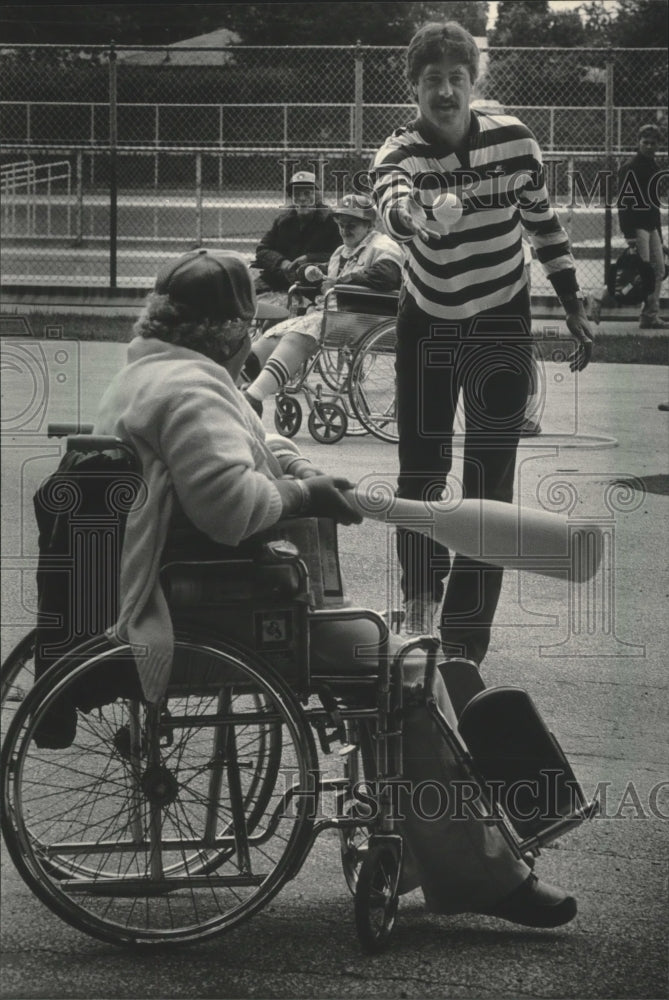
{"type": "Point", "coordinates": [349, 383]}
{"type": "Point", "coordinates": [148, 824]}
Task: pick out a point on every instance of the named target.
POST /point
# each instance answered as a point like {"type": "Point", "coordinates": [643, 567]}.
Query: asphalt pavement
{"type": "Point", "coordinates": [593, 658]}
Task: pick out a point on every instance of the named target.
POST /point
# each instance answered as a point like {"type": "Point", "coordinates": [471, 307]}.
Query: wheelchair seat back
{"type": "Point", "coordinates": [358, 299]}
{"type": "Point", "coordinates": [358, 310]}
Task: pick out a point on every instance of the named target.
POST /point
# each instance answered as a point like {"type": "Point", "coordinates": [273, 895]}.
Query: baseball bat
{"type": "Point", "coordinates": [503, 534]}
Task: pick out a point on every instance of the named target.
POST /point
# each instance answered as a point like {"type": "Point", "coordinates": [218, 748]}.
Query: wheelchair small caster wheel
{"type": "Point", "coordinates": [287, 415]}
{"type": "Point", "coordinates": [327, 423]}
{"type": "Point", "coordinates": [376, 897]}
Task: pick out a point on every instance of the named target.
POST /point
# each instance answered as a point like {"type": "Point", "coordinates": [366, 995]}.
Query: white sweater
{"type": "Point", "coordinates": [198, 438]}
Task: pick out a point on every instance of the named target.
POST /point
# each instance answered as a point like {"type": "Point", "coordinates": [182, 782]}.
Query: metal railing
{"type": "Point", "coordinates": [282, 126]}
{"type": "Point", "coordinates": [28, 188]}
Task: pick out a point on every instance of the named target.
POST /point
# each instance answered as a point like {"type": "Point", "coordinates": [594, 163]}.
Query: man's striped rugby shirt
{"type": "Point", "coordinates": [479, 264]}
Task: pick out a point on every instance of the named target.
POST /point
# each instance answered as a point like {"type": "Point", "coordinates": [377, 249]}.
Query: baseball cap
{"type": "Point", "coordinates": [215, 284]}
{"type": "Point", "coordinates": [359, 206]}
{"type": "Point", "coordinates": [649, 131]}
{"type": "Point", "coordinates": [302, 177]}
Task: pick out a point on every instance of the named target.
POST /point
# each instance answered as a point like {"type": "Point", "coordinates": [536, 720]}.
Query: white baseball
{"type": "Point", "coordinates": [447, 210]}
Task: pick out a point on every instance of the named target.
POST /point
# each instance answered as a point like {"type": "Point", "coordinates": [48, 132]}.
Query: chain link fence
{"type": "Point", "coordinates": [115, 158]}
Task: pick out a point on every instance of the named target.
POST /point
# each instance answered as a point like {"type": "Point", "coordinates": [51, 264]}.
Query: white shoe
{"type": "Point", "coordinates": [420, 613]}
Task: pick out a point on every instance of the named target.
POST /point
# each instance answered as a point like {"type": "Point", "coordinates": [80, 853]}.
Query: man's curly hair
{"type": "Point", "coordinates": [436, 40]}
{"type": "Point", "coordinates": [177, 324]}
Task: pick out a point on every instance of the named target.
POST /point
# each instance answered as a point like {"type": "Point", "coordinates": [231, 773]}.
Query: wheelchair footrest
{"type": "Point", "coordinates": [520, 761]}
{"type": "Point", "coordinates": [560, 827]}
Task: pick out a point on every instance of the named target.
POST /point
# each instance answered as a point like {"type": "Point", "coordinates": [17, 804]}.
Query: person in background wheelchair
{"type": "Point", "coordinates": [213, 473]}
{"type": "Point", "coordinates": [366, 257]}
{"type": "Point", "coordinates": [304, 233]}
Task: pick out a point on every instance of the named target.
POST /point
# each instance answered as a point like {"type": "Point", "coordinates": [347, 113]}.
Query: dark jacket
{"type": "Point", "coordinates": [637, 196]}
{"type": "Point", "coordinates": [291, 236]}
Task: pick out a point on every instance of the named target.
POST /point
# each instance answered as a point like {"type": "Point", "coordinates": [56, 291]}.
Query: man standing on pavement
{"type": "Point", "coordinates": [639, 218]}
{"type": "Point", "coordinates": [464, 313]}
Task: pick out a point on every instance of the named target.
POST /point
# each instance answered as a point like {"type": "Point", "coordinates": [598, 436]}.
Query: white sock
{"type": "Point", "coordinates": [284, 362]}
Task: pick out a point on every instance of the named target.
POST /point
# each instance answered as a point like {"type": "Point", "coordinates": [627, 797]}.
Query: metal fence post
{"type": "Point", "coordinates": [198, 198]}
{"type": "Point", "coordinates": [113, 180]}
{"type": "Point", "coordinates": [79, 217]}
{"type": "Point", "coordinates": [608, 159]}
{"type": "Point", "coordinates": [357, 112]}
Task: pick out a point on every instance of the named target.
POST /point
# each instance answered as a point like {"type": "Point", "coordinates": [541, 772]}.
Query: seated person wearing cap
{"type": "Point", "coordinates": [305, 233]}
{"type": "Point", "coordinates": [211, 470]}
{"type": "Point", "coordinates": [366, 257]}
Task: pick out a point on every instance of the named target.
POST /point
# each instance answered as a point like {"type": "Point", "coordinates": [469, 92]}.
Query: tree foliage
{"type": "Point", "coordinates": [321, 23]}
{"type": "Point", "coordinates": [534, 23]}
{"type": "Point", "coordinates": [633, 23]}
{"type": "Point", "coordinates": [640, 23]}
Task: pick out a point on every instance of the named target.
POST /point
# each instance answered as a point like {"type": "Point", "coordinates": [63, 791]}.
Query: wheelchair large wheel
{"type": "Point", "coordinates": [377, 897]}
{"type": "Point", "coordinates": [17, 672]}
{"type": "Point", "coordinates": [160, 824]}
{"type": "Point", "coordinates": [372, 386]}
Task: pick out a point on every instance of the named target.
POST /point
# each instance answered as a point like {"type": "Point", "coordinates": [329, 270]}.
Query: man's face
{"type": "Point", "coordinates": [303, 196]}
{"type": "Point", "coordinates": [352, 230]}
{"type": "Point", "coordinates": [443, 94]}
{"type": "Point", "coordinates": [647, 145]}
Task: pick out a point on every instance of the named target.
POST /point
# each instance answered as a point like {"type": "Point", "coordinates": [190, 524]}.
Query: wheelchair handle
{"type": "Point", "coordinates": [103, 442]}
{"type": "Point", "coordinates": [66, 430]}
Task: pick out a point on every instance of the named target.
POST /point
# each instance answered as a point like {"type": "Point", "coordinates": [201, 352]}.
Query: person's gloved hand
{"type": "Point", "coordinates": [322, 497]}
{"type": "Point", "coordinates": [293, 269]}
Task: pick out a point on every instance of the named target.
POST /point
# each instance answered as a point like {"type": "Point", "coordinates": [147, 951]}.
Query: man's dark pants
{"type": "Point", "coordinates": [488, 359]}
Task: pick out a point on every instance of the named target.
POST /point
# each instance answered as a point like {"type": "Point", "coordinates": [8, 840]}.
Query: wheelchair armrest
{"type": "Point", "coordinates": [302, 288]}
{"type": "Point", "coordinates": [275, 574]}
{"type": "Point", "coordinates": [279, 551]}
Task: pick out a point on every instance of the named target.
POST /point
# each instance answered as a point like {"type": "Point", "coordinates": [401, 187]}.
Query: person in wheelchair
{"type": "Point", "coordinates": [366, 257]}
{"type": "Point", "coordinates": [304, 233]}
{"type": "Point", "coordinates": [213, 473]}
